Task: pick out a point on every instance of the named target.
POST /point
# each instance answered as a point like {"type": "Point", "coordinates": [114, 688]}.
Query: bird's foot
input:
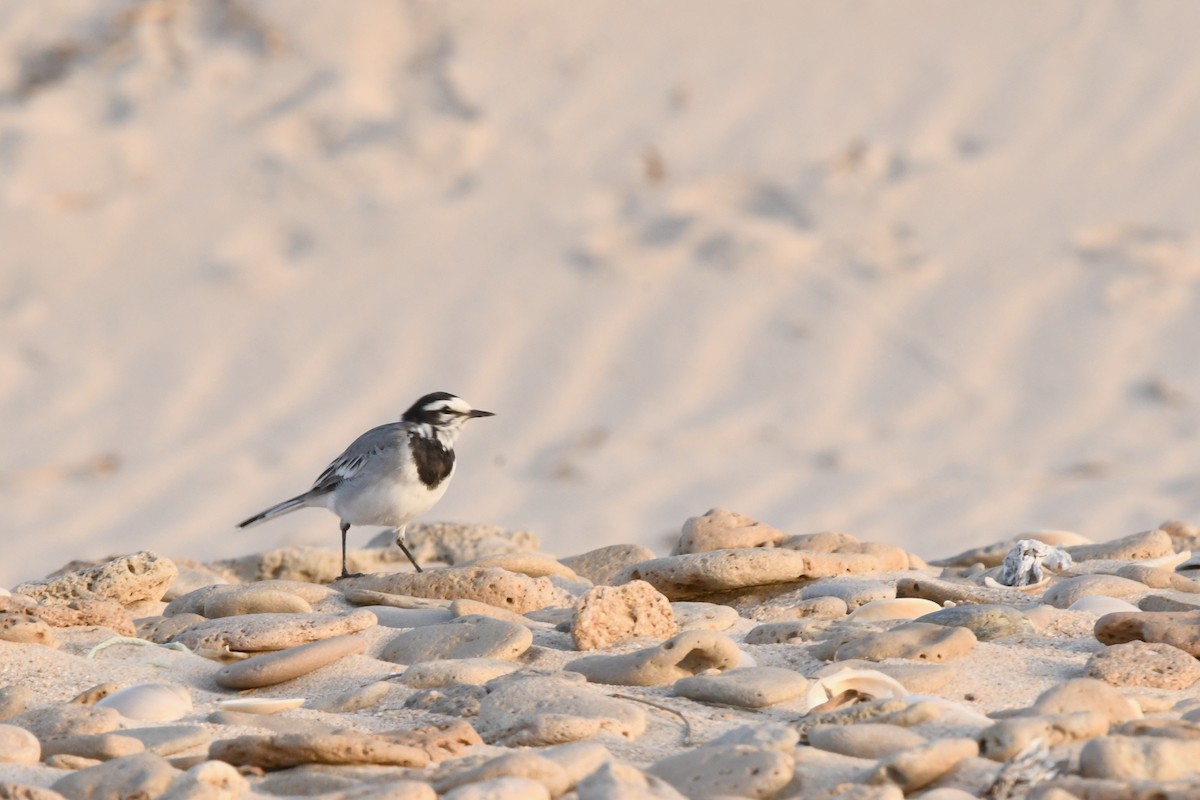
{"type": "Point", "coordinates": [346, 574]}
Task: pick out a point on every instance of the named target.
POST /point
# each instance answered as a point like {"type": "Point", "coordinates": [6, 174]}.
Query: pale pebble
{"type": "Point", "coordinates": [538, 711]}
{"type": "Point", "coordinates": [497, 587]}
{"type": "Point", "coordinates": [140, 775]}
{"type": "Point", "coordinates": [617, 781]}
{"type": "Point", "coordinates": [392, 617]}
{"type": "Point", "coordinates": [1133, 758]}
{"type": "Point", "coordinates": [1151, 665]}
{"type": "Point", "coordinates": [695, 616]}
{"type": "Point", "coordinates": [1099, 605]}
{"type": "Point", "coordinates": [914, 640]}
{"type": "Point", "coordinates": [509, 788]}
{"type": "Point", "coordinates": [736, 770]}
{"type": "Point", "coordinates": [261, 705]}
{"type": "Point", "coordinates": [529, 765]}
{"type": "Point", "coordinates": [864, 740]}
{"type": "Point", "coordinates": [681, 656]}
{"type": "Point", "coordinates": [465, 637]}
{"type": "Point", "coordinates": [1068, 590]}
{"type": "Point", "coordinates": [855, 592]}
{"type": "Point", "coordinates": [95, 746]}
{"type": "Point", "coordinates": [287, 664]}
{"type": "Point", "coordinates": [281, 750]}
{"type": "Point", "coordinates": [1086, 694]}
{"type": "Point", "coordinates": [918, 767]}
{"type": "Point", "coordinates": [448, 672]}
{"type": "Point", "coordinates": [150, 702]}
{"type": "Point", "coordinates": [1005, 739]}
{"type": "Point", "coordinates": [257, 632]}
{"type": "Point", "coordinates": [894, 608]}
{"type": "Point", "coordinates": [18, 746]}
{"type": "Point", "coordinates": [751, 687]}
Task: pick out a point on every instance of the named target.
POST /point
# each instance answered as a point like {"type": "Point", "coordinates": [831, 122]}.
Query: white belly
{"type": "Point", "coordinates": [392, 503]}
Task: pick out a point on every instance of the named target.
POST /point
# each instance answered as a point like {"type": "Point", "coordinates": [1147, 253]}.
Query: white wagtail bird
{"type": "Point", "coordinates": [390, 474]}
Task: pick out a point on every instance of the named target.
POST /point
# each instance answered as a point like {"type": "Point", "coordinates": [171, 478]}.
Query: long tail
{"type": "Point", "coordinates": [278, 510]}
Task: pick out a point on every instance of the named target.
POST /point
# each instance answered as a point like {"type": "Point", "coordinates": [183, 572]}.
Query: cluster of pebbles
{"type": "Point", "coordinates": [746, 664]}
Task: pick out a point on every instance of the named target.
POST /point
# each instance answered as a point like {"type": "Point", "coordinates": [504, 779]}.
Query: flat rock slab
{"type": "Point", "coordinates": [695, 575]}
{"type": "Point", "coordinates": [914, 640]}
{"type": "Point", "coordinates": [257, 632]}
{"type": "Point", "coordinates": [1140, 757]}
{"type": "Point", "coordinates": [1137, 663]}
{"type": "Point", "coordinates": [287, 664]}
{"type": "Point", "coordinates": [748, 687]}
{"type": "Point", "coordinates": [682, 656]}
{"type": "Point", "coordinates": [1177, 628]}
{"type": "Point", "coordinates": [703, 616]}
{"type": "Point", "coordinates": [1136, 546]}
{"type": "Point", "coordinates": [726, 771]}
{"type": "Point", "coordinates": [940, 591]}
{"type": "Point", "coordinates": [128, 579]}
{"type": "Point", "coordinates": [854, 592]}
{"type": "Point", "coordinates": [864, 740]}
{"type": "Point", "coordinates": [276, 751]}
{"type": "Point", "coordinates": [548, 710]}
{"type": "Point", "coordinates": [608, 615]}
{"type": "Point", "coordinates": [1087, 694]}
{"type": "Point", "coordinates": [498, 587]}
{"type": "Point", "coordinates": [466, 637]}
{"type": "Point", "coordinates": [986, 620]}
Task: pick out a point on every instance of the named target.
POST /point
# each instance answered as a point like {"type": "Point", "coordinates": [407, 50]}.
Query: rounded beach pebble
{"type": "Point", "coordinates": [18, 746]}
{"type": "Point", "coordinates": [719, 529]}
{"type": "Point", "coordinates": [284, 665]}
{"type": "Point", "coordinates": [864, 740]}
{"type": "Point", "coordinates": [467, 637]}
{"type": "Point", "coordinates": [749, 687]}
{"type": "Point", "coordinates": [608, 615]}
{"type": "Point", "coordinates": [452, 672]}
{"type": "Point", "coordinates": [1177, 628]}
{"type": "Point", "coordinates": [1138, 757]}
{"type": "Point", "coordinates": [986, 620]}
{"type": "Point", "coordinates": [687, 654]}
{"type": "Point", "coordinates": [915, 640]}
{"type": "Point", "coordinates": [736, 770]}
{"type": "Point", "coordinates": [1152, 665]}
{"type": "Point", "coordinates": [150, 702]}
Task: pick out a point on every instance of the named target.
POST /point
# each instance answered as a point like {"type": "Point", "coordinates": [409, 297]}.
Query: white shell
{"type": "Point", "coordinates": [1057, 538]}
{"type": "Point", "coordinates": [261, 705]}
{"type": "Point", "coordinates": [894, 608]}
{"type": "Point", "coordinates": [150, 702]}
{"type": "Point", "coordinates": [869, 682]}
{"type": "Point", "coordinates": [1101, 605]}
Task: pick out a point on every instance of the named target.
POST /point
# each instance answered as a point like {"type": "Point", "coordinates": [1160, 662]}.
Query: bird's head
{"type": "Point", "coordinates": [443, 414]}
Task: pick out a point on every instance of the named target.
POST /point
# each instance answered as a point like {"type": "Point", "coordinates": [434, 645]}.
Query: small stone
{"type": "Point", "coordinates": [474, 671]}
{"type": "Point", "coordinates": [353, 700]}
{"type": "Point", "coordinates": [894, 608]}
{"type": "Point", "coordinates": [1158, 578]}
{"type": "Point", "coordinates": [25, 629]}
{"type": "Point", "coordinates": [1132, 758]}
{"type": "Point", "coordinates": [512, 788]}
{"type": "Point", "coordinates": [18, 746]}
{"type": "Point", "coordinates": [749, 687]}
{"type": "Point", "coordinates": [864, 740]}
{"type": "Point", "coordinates": [617, 781]}
{"type": "Point", "coordinates": [726, 770]}
{"type": "Point", "coordinates": [1137, 663]}
{"type": "Point", "coordinates": [150, 702]}
{"type": "Point", "coordinates": [254, 599]}
{"type": "Point", "coordinates": [815, 608]}
{"type": "Point", "coordinates": [1135, 547]}
{"type": "Point", "coordinates": [161, 630]}
{"type": "Point", "coordinates": [719, 529]}
{"type": "Point", "coordinates": [609, 615]}
{"type": "Point", "coordinates": [127, 580]}
{"type": "Point", "coordinates": [854, 591]}
{"type": "Point", "coordinates": [140, 775]}
{"type": "Point", "coordinates": [1068, 590]}
{"type": "Point", "coordinates": [209, 780]}
{"type": "Point", "coordinates": [466, 637]}
{"type": "Point", "coordinates": [986, 621]}
{"type": "Point", "coordinates": [600, 566]}
{"type": "Point", "coordinates": [257, 632]}
{"type": "Point", "coordinates": [917, 768]}
{"type": "Point", "coordinates": [703, 616]}
{"type": "Point", "coordinates": [784, 632]}
{"type": "Point", "coordinates": [510, 590]}
{"type": "Point", "coordinates": [681, 656]}
{"type": "Point", "coordinates": [276, 751]}
{"type": "Point", "coordinates": [1086, 694]}
{"type": "Point", "coordinates": [467, 608]}
{"type": "Point", "coordinates": [915, 640]}
{"type": "Point", "coordinates": [544, 710]}
{"type": "Point", "coordinates": [461, 700]}
{"type": "Point", "coordinates": [14, 700]}
{"type": "Point", "coordinates": [528, 765]}
{"type": "Point", "coordinates": [775, 736]}
{"type": "Point", "coordinates": [1098, 605]}
{"type": "Point", "coordinates": [439, 742]}
{"type": "Point", "coordinates": [1004, 740]}
{"type": "Point", "coordinates": [60, 720]}
{"type": "Point", "coordinates": [97, 746]}
{"type": "Point", "coordinates": [1177, 628]}
{"type": "Point", "coordinates": [288, 664]}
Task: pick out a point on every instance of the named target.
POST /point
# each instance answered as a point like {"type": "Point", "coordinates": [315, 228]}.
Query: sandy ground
{"type": "Point", "coordinates": [926, 272]}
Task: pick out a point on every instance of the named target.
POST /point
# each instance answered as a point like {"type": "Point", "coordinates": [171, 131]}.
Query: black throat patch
{"type": "Point", "coordinates": [434, 461]}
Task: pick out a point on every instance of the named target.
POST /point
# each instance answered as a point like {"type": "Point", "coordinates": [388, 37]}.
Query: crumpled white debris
{"type": "Point", "coordinates": [1023, 565]}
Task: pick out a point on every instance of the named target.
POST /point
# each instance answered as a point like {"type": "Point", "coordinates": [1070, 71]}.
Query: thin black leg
{"type": "Point", "coordinates": [400, 543]}
{"type": "Point", "coordinates": [345, 528]}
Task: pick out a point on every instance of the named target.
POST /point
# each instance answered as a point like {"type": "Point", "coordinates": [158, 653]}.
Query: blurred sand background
{"type": "Point", "coordinates": [926, 272]}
